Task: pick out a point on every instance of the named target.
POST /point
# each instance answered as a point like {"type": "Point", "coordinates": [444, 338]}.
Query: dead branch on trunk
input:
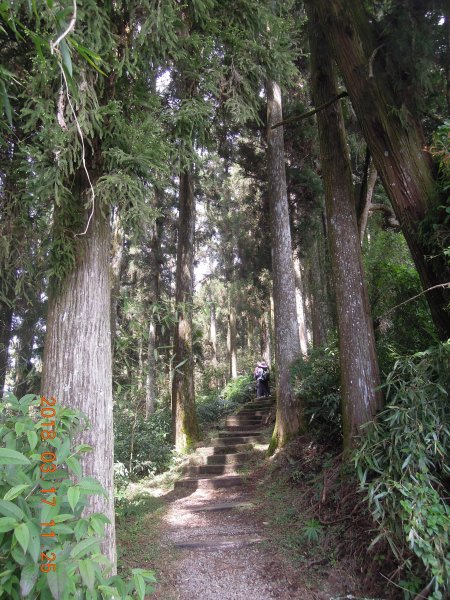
{"type": "Point", "coordinates": [312, 112]}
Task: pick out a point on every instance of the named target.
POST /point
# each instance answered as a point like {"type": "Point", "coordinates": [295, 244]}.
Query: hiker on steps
{"type": "Point", "coordinates": [262, 377]}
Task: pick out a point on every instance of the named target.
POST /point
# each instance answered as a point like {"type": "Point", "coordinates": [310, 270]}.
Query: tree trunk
{"type": "Point", "coordinates": [359, 369]}
{"type": "Point", "coordinates": [5, 338]}
{"type": "Point", "coordinates": [150, 384]}
{"type": "Point", "coordinates": [265, 345]}
{"type": "Point", "coordinates": [116, 267]}
{"type": "Point", "coordinates": [24, 353]}
{"type": "Point", "coordinates": [184, 417]}
{"type": "Point", "coordinates": [287, 342]}
{"type": "Point", "coordinates": [213, 334]}
{"type": "Point", "coordinates": [300, 304]}
{"type": "Point", "coordinates": [395, 141]}
{"type": "Point", "coordinates": [233, 346]}
{"type": "Point", "coordinates": [371, 181]}
{"type": "Point", "coordinates": [154, 296]}
{"type": "Point", "coordinates": [77, 366]}
{"type": "Point", "coordinates": [447, 54]}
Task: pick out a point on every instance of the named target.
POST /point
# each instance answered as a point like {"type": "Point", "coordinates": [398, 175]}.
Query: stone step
{"type": "Point", "coordinates": [228, 434]}
{"type": "Point", "coordinates": [220, 542]}
{"type": "Point", "coordinates": [218, 450]}
{"type": "Point", "coordinates": [254, 413]}
{"type": "Point", "coordinates": [251, 421]}
{"type": "Point", "coordinates": [240, 428]}
{"type": "Point", "coordinates": [227, 459]}
{"type": "Point", "coordinates": [196, 470]}
{"type": "Point", "coordinates": [208, 483]}
{"type": "Point", "coordinates": [232, 440]}
{"type": "Point", "coordinates": [220, 506]}
{"type": "Point", "coordinates": [259, 406]}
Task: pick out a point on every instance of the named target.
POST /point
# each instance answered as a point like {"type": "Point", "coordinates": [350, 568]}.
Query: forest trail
{"type": "Point", "coordinates": [220, 555]}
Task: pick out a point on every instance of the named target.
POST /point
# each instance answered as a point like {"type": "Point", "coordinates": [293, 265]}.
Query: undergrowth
{"type": "Point", "coordinates": [318, 524]}
{"type": "Point", "coordinates": [403, 465]}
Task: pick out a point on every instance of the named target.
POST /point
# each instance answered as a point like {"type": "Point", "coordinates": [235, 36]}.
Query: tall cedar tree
{"type": "Point", "coordinates": [287, 340]}
{"type": "Point", "coordinates": [358, 360]}
{"type": "Point", "coordinates": [395, 140]}
{"type": "Point", "coordinates": [184, 416]}
{"type": "Point", "coordinates": [77, 366]}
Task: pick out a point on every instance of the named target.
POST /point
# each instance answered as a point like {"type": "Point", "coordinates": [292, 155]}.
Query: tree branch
{"type": "Point", "coordinates": [434, 287]}
{"type": "Point", "coordinates": [310, 113]}
{"type": "Point", "coordinates": [70, 28]}
{"type": "Point", "coordinates": [371, 59]}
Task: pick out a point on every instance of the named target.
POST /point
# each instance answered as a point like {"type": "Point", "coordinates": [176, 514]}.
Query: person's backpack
{"type": "Point", "coordinates": [264, 374]}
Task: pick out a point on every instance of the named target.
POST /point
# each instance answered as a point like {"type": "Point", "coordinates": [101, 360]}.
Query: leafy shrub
{"type": "Point", "coordinates": [403, 461]}
{"type": "Point", "coordinates": [212, 407]}
{"type": "Point", "coordinates": [316, 381]}
{"type": "Point", "coordinates": [80, 567]}
{"type": "Point", "coordinates": [143, 446]}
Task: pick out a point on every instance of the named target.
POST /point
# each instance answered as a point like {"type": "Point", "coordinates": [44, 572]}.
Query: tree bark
{"type": "Point", "coordinates": [184, 417]}
{"type": "Point", "coordinates": [287, 341]}
{"type": "Point", "coordinates": [359, 369]}
{"type": "Point", "coordinates": [232, 346]}
{"type": "Point", "coordinates": [395, 141]}
{"type": "Point", "coordinates": [77, 366]}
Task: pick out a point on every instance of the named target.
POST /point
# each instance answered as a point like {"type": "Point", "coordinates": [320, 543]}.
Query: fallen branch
{"type": "Point", "coordinates": [310, 113]}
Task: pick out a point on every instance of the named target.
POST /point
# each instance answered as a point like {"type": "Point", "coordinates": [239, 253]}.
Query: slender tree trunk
{"type": "Point", "coordinates": [24, 353]}
{"type": "Point", "coordinates": [300, 304]}
{"type": "Point", "coordinates": [233, 347]}
{"type": "Point", "coordinates": [395, 141]}
{"type": "Point", "coordinates": [319, 296]}
{"type": "Point", "coordinates": [265, 345]}
{"type": "Point", "coordinates": [371, 181]}
{"type": "Point", "coordinates": [287, 342]}
{"type": "Point", "coordinates": [5, 338]}
{"type": "Point", "coordinates": [447, 54]}
{"type": "Point", "coordinates": [77, 356]}
{"type": "Point", "coordinates": [154, 262]}
{"type": "Point", "coordinates": [359, 369]}
{"type": "Point", "coordinates": [116, 267]}
{"type": "Point", "coordinates": [184, 417]}
{"type": "Point", "coordinates": [213, 334]}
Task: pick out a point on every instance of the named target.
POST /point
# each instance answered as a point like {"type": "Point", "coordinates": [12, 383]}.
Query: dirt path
{"type": "Point", "coordinates": [222, 550]}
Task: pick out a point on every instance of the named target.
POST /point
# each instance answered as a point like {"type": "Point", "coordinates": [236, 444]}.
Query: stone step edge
{"type": "Point", "coordinates": [231, 542]}
{"type": "Point", "coordinates": [219, 506]}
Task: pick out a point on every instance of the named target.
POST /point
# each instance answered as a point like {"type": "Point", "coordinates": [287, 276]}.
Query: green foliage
{"type": "Point", "coordinates": [316, 381]}
{"type": "Point", "coordinates": [312, 531]}
{"type": "Point", "coordinates": [392, 279]}
{"type": "Point", "coordinates": [143, 446]}
{"type": "Point", "coordinates": [81, 568]}
{"type": "Point", "coordinates": [212, 407]}
{"type": "Point", "coordinates": [403, 463]}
